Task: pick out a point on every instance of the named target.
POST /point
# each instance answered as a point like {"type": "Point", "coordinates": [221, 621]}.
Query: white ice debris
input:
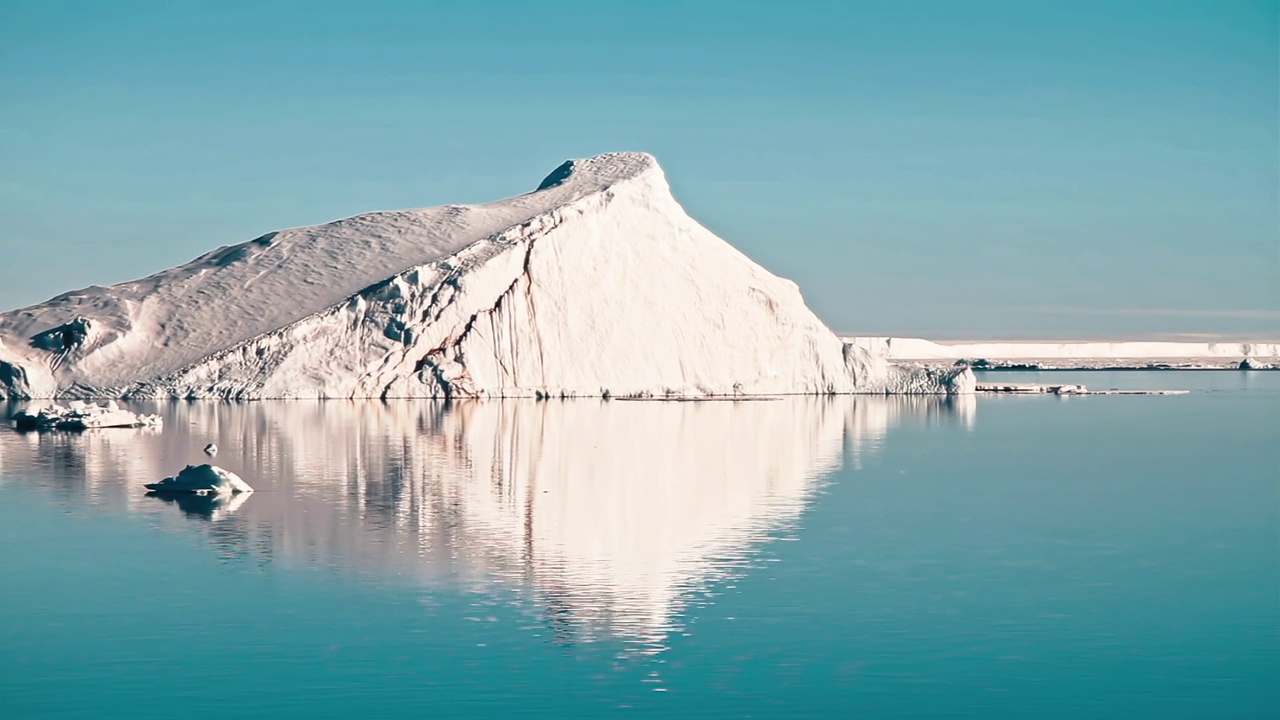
{"type": "Point", "coordinates": [1063, 389]}
{"type": "Point", "coordinates": [202, 480]}
{"type": "Point", "coordinates": [596, 284]}
{"type": "Point", "coordinates": [79, 415]}
{"type": "Point", "coordinates": [1034, 388]}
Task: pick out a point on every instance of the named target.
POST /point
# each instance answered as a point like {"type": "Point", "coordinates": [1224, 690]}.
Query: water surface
{"type": "Point", "coordinates": [1110, 556]}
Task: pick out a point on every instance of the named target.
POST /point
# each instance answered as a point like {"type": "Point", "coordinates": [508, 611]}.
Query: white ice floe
{"type": "Point", "coordinates": [1063, 389]}
{"type": "Point", "coordinates": [1034, 388]}
{"type": "Point", "coordinates": [80, 415]}
{"type": "Point", "coordinates": [596, 284]}
{"type": "Point", "coordinates": [202, 480]}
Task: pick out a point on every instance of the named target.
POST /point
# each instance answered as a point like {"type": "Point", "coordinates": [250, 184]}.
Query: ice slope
{"type": "Point", "coordinates": [915, 349]}
{"type": "Point", "coordinates": [597, 283]}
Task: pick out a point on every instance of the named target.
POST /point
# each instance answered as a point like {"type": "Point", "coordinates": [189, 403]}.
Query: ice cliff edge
{"type": "Point", "coordinates": [596, 284]}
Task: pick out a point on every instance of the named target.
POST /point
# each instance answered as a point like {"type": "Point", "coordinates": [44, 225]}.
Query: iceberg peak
{"type": "Point", "coordinates": [601, 171]}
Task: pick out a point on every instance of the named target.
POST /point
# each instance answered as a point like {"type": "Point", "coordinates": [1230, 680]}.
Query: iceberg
{"type": "Point", "coordinates": [79, 415]}
{"type": "Point", "coordinates": [202, 480]}
{"type": "Point", "coordinates": [597, 283]}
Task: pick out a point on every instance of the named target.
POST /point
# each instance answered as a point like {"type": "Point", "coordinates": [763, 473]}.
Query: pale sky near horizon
{"type": "Point", "coordinates": [948, 169]}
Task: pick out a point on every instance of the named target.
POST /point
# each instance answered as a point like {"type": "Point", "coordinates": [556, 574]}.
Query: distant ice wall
{"type": "Point", "coordinates": [895, 348]}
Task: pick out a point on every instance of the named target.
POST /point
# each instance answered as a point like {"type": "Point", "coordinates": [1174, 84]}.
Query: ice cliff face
{"type": "Point", "coordinates": [598, 283]}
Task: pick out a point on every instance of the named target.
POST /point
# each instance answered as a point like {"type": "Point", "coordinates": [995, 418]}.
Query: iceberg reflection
{"type": "Point", "coordinates": [609, 518]}
{"type": "Point", "coordinates": [208, 507]}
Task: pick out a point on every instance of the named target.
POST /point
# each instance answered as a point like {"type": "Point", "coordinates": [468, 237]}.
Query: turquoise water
{"type": "Point", "coordinates": [1112, 556]}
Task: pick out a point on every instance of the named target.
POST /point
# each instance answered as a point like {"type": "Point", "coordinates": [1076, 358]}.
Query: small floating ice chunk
{"type": "Point", "coordinates": [202, 480]}
{"type": "Point", "coordinates": [80, 415]}
{"type": "Point", "coordinates": [211, 449]}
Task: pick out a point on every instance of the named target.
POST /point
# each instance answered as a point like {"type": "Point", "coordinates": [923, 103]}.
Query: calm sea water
{"type": "Point", "coordinates": [1095, 557]}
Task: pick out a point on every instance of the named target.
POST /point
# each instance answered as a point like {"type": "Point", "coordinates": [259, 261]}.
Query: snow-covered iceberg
{"type": "Point", "coordinates": [79, 415]}
{"type": "Point", "coordinates": [202, 480]}
{"type": "Point", "coordinates": [596, 284]}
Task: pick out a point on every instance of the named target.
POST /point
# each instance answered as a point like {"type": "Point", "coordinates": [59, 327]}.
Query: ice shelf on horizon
{"type": "Point", "coordinates": [1076, 355]}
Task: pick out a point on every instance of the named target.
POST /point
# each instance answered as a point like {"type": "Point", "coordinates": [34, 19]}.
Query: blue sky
{"type": "Point", "coordinates": [950, 169]}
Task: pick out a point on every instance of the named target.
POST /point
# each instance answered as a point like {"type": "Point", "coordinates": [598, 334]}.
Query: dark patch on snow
{"type": "Point", "coordinates": [557, 176]}
{"type": "Point", "coordinates": [63, 338]}
{"type": "Point", "coordinates": [239, 252]}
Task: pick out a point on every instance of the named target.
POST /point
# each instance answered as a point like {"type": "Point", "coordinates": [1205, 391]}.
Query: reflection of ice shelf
{"type": "Point", "coordinates": [606, 516]}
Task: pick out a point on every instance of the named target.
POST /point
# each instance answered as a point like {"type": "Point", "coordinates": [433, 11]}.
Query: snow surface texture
{"type": "Point", "coordinates": [1074, 354]}
{"type": "Point", "coordinates": [80, 415]}
{"type": "Point", "coordinates": [202, 480]}
{"type": "Point", "coordinates": [598, 283]}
